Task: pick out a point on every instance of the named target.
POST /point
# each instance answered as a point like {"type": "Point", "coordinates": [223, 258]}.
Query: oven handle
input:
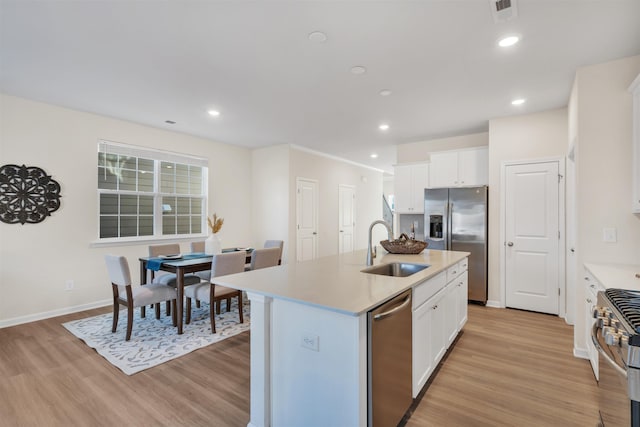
{"type": "Point", "coordinates": [614, 365]}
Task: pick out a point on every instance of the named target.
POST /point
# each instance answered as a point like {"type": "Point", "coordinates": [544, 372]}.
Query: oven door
{"type": "Point", "coordinates": [613, 395]}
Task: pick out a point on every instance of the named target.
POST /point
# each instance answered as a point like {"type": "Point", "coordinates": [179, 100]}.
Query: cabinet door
{"type": "Point", "coordinates": [635, 90]}
{"type": "Point", "coordinates": [473, 167]}
{"type": "Point", "coordinates": [436, 329]}
{"type": "Point", "coordinates": [422, 362]}
{"type": "Point", "coordinates": [591, 291]}
{"type": "Point", "coordinates": [450, 307]}
{"type": "Point", "coordinates": [462, 299]}
{"type": "Point", "coordinates": [419, 181]}
{"type": "Point", "coordinates": [402, 189]}
{"type": "Point", "coordinates": [443, 170]}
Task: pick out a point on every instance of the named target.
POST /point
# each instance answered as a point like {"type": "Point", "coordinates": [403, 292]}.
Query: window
{"type": "Point", "coordinates": [145, 193]}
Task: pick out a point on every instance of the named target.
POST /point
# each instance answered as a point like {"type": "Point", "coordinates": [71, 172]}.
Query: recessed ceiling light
{"type": "Point", "coordinates": [508, 41]}
{"type": "Point", "coordinates": [385, 92]}
{"type": "Point", "coordinates": [318, 37]}
{"type": "Point", "coordinates": [383, 126]}
{"type": "Point", "coordinates": [519, 101]}
{"type": "Point", "coordinates": [373, 156]}
{"type": "Point", "coordinates": [358, 69]}
{"type": "Point", "coordinates": [213, 113]}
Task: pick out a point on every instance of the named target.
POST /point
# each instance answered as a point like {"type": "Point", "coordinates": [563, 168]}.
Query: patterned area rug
{"type": "Point", "coordinates": [155, 341]}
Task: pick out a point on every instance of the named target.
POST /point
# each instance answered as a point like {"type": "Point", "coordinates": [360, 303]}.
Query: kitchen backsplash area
{"type": "Point", "coordinates": [406, 220]}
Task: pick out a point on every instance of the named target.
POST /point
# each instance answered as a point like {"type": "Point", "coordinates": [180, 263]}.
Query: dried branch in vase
{"type": "Point", "coordinates": [215, 224]}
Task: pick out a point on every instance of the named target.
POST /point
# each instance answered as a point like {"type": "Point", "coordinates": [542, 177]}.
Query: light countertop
{"type": "Point", "coordinates": [622, 276]}
{"type": "Point", "coordinates": [336, 282]}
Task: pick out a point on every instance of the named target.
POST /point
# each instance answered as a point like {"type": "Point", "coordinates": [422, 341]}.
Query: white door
{"type": "Point", "coordinates": [532, 236]}
{"type": "Point", "coordinates": [572, 268]}
{"type": "Point", "coordinates": [307, 219]}
{"type": "Point", "coordinates": [347, 219]}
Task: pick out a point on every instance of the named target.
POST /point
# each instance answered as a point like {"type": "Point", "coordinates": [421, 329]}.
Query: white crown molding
{"type": "Point", "coordinates": [330, 156]}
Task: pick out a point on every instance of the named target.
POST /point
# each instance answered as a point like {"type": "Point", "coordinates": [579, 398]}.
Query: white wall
{"type": "Point", "coordinates": [270, 195]}
{"type": "Point", "coordinates": [37, 259]}
{"type": "Point", "coordinates": [524, 137]}
{"type": "Point", "coordinates": [602, 131]}
{"type": "Point", "coordinates": [330, 173]}
{"type": "Point", "coordinates": [421, 151]}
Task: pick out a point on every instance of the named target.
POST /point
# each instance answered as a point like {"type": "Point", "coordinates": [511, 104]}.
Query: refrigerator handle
{"type": "Point", "coordinates": [447, 215]}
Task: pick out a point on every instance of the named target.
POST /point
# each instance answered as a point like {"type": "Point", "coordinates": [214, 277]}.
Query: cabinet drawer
{"type": "Point", "coordinates": [453, 272]}
{"type": "Point", "coordinates": [464, 265]}
{"type": "Point", "coordinates": [427, 289]}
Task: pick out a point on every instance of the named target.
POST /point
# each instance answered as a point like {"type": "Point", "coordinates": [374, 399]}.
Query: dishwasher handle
{"type": "Point", "coordinates": [381, 316]}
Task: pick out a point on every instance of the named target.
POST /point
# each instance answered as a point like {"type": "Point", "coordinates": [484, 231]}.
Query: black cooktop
{"type": "Point", "coordinates": [627, 302]}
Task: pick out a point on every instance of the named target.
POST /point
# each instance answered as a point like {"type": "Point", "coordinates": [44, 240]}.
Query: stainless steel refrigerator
{"type": "Point", "coordinates": [455, 219]}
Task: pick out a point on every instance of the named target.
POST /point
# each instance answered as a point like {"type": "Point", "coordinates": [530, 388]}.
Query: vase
{"type": "Point", "coordinates": [212, 245]}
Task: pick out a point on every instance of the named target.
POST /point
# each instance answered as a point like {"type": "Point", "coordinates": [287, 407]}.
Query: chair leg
{"type": "Point", "coordinates": [228, 305]}
{"type": "Point", "coordinates": [129, 320]}
{"type": "Point", "coordinates": [197, 303]}
{"type": "Point", "coordinates": [143, 311]}
{"type": "Point", "coordinates": [212, 317]}
{"type": "Point", "coordinates": [218, 306]}
{"type": "Point", "coordinates": [188, 312]}
{"type": "Point", "coordinates": [240, 306]}
{"type": "Point", "coordinates": [174, 316]}
{"type": "Point", "coordinates": [157, 307]}
{"type": "Point", "coordinates": [116, 312]}
{"type": "Point", "coordinates": [168, 309]}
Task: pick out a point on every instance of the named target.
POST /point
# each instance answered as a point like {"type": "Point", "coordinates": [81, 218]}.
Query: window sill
{"type": "Point", "coordinates": [104, 243]}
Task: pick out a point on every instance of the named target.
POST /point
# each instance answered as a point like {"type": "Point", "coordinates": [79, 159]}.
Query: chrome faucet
{"type": "Point", "coordinates": [371, 253]}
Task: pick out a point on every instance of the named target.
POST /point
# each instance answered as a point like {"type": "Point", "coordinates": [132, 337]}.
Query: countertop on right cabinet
{"type": "Point", "coordinates": [622, 276]}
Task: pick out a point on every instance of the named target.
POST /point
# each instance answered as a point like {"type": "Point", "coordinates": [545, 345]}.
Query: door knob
{"type": "Point", "coordinates": [314, 233]}
{"type": "Point", "coordinates": [509, 243]}
{"type": "Point", "coordinates": [342, 231]}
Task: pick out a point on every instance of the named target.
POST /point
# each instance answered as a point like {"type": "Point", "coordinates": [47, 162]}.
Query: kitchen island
{"type": "Point", "coordinates": [309, 332]}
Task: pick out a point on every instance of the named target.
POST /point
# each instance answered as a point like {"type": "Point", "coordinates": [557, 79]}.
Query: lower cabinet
{"type": "Point", "coordinates": [592, 286]}
{"type": "Point", "coordinates": [436, 322]}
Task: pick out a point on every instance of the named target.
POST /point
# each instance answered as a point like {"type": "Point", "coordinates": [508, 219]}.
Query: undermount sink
{"type": "Point", "coordinates": [396, 269]}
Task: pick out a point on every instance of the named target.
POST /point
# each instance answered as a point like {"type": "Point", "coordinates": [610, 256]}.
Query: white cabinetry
{"type": "Point", "coordinates": [409, 184]}
{"type": "Point", "coordinates": [635, 91]}
{"type": "Point", "coordinates": [592, 287]}
{"type": "Point", "coordinates": [439, 313]}
{"type": "Point", "coordinates": [459, 168]}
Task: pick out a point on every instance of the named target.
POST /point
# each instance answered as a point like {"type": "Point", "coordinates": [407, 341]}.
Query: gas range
{"type": "Point", "coordinates": [616, 335]}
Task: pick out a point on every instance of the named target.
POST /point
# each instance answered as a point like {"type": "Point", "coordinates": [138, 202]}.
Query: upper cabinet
{"type": "Point", "coordinates": [635, 92]}
{"type": "Point", "coordinates": [409, 183]}
{"type": "Point", "coordinates": [459, 168]}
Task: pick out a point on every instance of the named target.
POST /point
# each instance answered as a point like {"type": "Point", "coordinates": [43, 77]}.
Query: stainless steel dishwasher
{"type": "Point", "coordinates": [389, 361]}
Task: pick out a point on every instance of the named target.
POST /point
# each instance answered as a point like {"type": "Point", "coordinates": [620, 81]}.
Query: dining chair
{"type": "Point", "coordinates": [166, 278]}
{"type": "Point", "coordinates": [197, 247]}
{"type": "Point", "coordinates": [275, 244]}
{"type": "Point", "coordinates": [265, 257]}
{"type": "Point", "coordinates": [221, 265]}
{"type": "Point", "coordinates": [131, 297]}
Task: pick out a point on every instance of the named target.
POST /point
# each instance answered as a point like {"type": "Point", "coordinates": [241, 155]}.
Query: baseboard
{"type": "Point", "coordinates": [53, 313]}
{"type": "Point", "coordinates": [494, 304]}
{"type": "Point", "coordinates": [580, 353]}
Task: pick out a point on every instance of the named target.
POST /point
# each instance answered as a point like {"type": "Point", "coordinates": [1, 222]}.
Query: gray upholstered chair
{"type": "Point", "coordinates": [265, 257]}
{"type": "Point", "coordinates": [222, 264]}
{"type": "Point", "coordinates": [198, 247]}
{"type": "Point", "coordinates": [275, 244]}
{"type": "Point", "coordinates": [165, 278]}
{"type": "Point", "coordinates": [139, 296]}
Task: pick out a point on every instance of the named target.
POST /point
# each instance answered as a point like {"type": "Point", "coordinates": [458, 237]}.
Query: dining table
{"type": "Point", "coordinates": [181, 265]}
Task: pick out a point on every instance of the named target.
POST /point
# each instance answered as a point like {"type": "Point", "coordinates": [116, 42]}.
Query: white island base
{"type": "Point", "coordinates": [309, 332]}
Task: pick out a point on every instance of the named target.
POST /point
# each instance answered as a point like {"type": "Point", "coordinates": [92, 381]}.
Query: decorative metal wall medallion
{"type": "Point", "coordinates": [27, 194]}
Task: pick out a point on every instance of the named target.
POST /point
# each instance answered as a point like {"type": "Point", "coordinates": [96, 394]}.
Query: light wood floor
{"type": "Point", "coordinates": [508, 368]}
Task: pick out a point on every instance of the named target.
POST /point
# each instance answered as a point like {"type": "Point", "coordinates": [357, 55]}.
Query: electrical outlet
{"type": "Point", "coordinates": [609, 235]}
{"type": "Point", "coordinates": [310, 341]}
{"type": "Point", "coordinates": [69, 285]}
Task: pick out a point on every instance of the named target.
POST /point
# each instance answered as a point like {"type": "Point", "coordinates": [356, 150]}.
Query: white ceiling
{"type": "Point", "coordinates": [151, 61]}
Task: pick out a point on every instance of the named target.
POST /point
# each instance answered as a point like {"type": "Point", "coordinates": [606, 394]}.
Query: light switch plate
{"type": "Point", "coordinates": [609, 235]}
{"type": "Point", "coordinates": [310, 341]}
